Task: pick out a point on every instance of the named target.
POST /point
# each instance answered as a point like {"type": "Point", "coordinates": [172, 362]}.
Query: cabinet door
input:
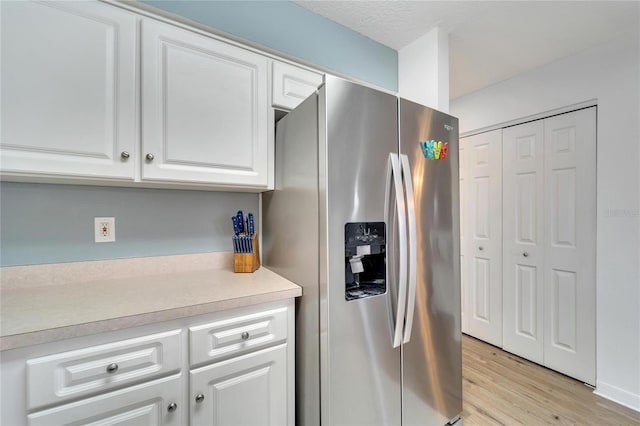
{"type": "Point", "coordinates": [484, 236]}
{"type": "Point", "coordinates": [291, 85]}
{"type": "Point", "coordinates": [148, 404]}
{"type": "Point", "coordinates": [205, 106]}
{"type": "Point", "coordinates": [243, 391]}
{"type": "Point", "coordinates": [68, 90]}
{"type": "Point", "coordinates": [523, 153]}
{"type": "Point", "coordinates": [569, 248]}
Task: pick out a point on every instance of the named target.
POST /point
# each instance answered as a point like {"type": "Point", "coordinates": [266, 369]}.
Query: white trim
{"type": "Point", "coordinates": [618, 395]}
{"type": "Point", "coordinates": [539, 116]}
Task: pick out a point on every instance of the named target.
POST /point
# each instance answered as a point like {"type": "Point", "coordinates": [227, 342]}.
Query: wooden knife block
{"type": "Point", "coordinates": [247, 262]}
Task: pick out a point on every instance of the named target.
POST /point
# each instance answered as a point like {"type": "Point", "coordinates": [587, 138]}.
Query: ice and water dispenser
{"type": "Point", "coordinates": [365, 267]}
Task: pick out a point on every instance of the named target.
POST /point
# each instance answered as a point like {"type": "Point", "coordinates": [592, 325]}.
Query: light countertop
{"type": "Point", "coordinates": [89, 303]}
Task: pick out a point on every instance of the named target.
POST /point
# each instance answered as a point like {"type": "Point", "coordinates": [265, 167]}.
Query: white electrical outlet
{"type": "Point", "coordinates": [105, 229]}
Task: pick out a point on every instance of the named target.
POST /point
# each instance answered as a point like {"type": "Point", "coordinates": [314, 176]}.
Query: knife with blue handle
{"type": "Point", "coordinates": [251, 225]}
{"type": "Point", "coordinates": [236, 228]}
{"type": "Point", "coordinates": [240, 220]}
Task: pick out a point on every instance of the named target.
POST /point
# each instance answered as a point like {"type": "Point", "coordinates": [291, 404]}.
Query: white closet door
{"type": "Point", "coordinates": [570, 230]}
{"type": "Point", "coordinates": [484, 253]}
{"type": "Point", "coordinates": [464, 238]}
{"type": "Point", "coordinates": [523, 255]}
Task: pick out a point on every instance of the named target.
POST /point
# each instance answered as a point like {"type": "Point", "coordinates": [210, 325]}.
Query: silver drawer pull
{"type": "Point", "coordinates": [525, 254]}
{"type": "Point", "coordinates": [124, 155]}
{"type": "Point", "coordinates": [245, 335]}
{"type": "Point", "coordinates": [112, 368]}
{"type": "Point", "coordinates": [172, 407]}
{"type": "Point", "coordinates": [199, 398]}
{"type": "Point", "coordinates": [149, 157]}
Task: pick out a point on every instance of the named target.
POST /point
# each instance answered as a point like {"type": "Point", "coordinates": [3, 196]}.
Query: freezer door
{"type": "Point", "coordinates": [360, 368]}
{"type": "Point", "coordinates": [432, 360]}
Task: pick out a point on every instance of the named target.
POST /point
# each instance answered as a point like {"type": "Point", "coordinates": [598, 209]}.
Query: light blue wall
{"type": "Point", "coordinates": [54, 223]}
{"type": "Point", "coordinates": [294, 30]}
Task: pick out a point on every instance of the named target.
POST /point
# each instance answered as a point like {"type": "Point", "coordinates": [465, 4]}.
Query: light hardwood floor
{"type": "Point", "coordinates": [502, 389]}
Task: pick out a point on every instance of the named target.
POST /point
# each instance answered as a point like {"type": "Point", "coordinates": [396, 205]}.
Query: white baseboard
{"type": "Point", "coordinates": [618, 395]}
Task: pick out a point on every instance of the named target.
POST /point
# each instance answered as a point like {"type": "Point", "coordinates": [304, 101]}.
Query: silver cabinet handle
{"type": "Point", "coordinates": [172, 407]}
{"type": "Point", "coordinates": [480, 248]}
{"type": "Point", "coordinates": [525, 254]}
{"type": "Point", "coordinates": [124, 155]}
{"type": "Point", "coordinates": [199, 398]}
{"type": "Point", "coordinates": [112, 368]}
{"type": "Point", "coordinates": [245, 335]}
{"type": "Point", "coordinates": [150, 157]}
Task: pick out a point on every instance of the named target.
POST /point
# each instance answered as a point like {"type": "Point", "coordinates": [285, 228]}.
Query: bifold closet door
{"type": "Point", "coordinates": [523, 249]}
{"type": "Point", "coordinates": [482, 252]}
{"type": "Point", "coordinates": [569, 235]}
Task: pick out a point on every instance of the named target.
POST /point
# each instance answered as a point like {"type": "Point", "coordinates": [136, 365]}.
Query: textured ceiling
{"type": "Point", "coordinates": [489, 41]}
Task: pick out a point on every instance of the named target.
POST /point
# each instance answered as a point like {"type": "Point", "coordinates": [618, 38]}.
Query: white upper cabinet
{"type": "Point", "coordinates": [68, 90]}
{"type": "Point", "coordinates": [291, 85]}
{"type": "Point", "coordinates": [204, 110]}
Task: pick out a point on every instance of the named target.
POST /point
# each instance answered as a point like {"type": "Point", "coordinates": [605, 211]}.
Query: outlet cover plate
{"type": "Point", "coordinates": [105, 229]}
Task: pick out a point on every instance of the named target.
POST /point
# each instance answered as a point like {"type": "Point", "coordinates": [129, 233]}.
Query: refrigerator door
{"type": "Point", "coordinates": [432, 359]}
{"type": "Point", "coordinates": [360, 370]}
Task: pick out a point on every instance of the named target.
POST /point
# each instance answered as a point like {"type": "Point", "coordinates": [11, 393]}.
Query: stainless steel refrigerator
{"type": "Point", "coordinates": [364, 218]}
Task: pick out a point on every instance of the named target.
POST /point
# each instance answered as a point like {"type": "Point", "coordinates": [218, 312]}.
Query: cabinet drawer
{"type": "Point", "coordinates": [238, 334]}
{"type": "Point", "coordinates": [59, 377]}
{"type": "Point", "coordinates": [291, 85]}
{"type": "Point", "coordinates": [142, 405]}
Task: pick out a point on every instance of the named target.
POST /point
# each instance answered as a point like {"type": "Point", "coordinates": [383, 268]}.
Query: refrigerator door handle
{"type": "Point", "coordinates": [413, 246]}
{"type": "Point", "coordinates": [394, 172]}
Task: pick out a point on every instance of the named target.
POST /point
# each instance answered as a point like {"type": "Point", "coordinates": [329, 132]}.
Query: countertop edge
{"type": "Point", "coordinates": [16, 341]}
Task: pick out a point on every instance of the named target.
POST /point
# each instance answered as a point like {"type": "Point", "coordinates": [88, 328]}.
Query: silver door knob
{"type": "Point", "coordinates": [525, 254]}
{"type": "Point", "coordinates": [150, 157]}
{"type": "Point", "coordinates": [112, 368]}
{"type": "Point", "coordinates": [199, 398]}
{"type": "Point", "coordinates": [172, 407]}
{"type": "Point", "coordinates": [245, 335]}
{"type": "Point", "coordinates": [124, 155]}
{"type": "Point", "coordinates": [480, 248]}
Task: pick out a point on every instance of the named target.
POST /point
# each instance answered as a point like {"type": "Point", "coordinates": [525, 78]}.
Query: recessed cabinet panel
{"type": "Point", "coordinates": [236, 335]}
{"type": "Point", "coordinates": [246, 390]}
{"type": "Point", "coordinates": [205, 108]}
{"type": "Point", "coordinates": [68, 90]}
{"type": "Point", "coordinates": [481, 289]}
{"type": "Point", "coordinates": [526, 291]}
{"type": "Point", "coordinates": [291, 85]}
{"type": "Point", "coordinates": [563, 310]}
{"type": "Point", "coordinates": [83, 372]}
{"type": "Point", "coordinates": [563, 208]}
{"type": "Point", "coordinates": [142, 405]}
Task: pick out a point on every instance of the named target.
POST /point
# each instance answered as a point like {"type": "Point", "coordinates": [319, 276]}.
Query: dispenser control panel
{"type": "Point", "coordinates": [365, 259]}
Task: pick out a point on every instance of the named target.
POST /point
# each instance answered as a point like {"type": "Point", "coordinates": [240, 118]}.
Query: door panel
{"type": "Point", "coordinates": [522, 240]}
{"type": "Point", "coordinates": [360, 380]}
{"type": "Point", "coordinates": [248, 390]}
{"type": "Point", "coordinates": [432, 378]}
{"type": "Point", "coordinates": [204, 109]}
{"type": "Point", "coordinates": [69, 89]}
{"type": "Point", "coordinates": [570, 228]}
{"type": "Point", "coordinates": [482, 241]}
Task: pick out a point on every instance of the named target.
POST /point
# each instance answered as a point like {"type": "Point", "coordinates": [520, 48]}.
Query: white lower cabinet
{"type": "Point", "coordinates": [153, 403]}
{"type": "Point", "coordinates": [245, 390]}
{"type": "Point", "coordinates": [147, 375]}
